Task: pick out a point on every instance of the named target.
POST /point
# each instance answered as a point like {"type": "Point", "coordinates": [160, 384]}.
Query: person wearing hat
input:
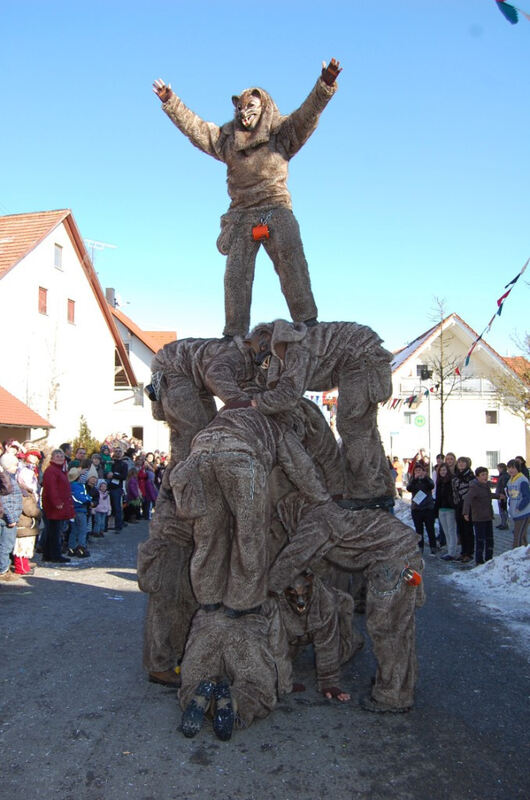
{"type": "Point", "coordinates": [79, 530]}
{"type": "Point", "coordinates": [57, 505]}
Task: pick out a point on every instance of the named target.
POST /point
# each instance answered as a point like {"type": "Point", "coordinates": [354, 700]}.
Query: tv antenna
{"type": "Point", "coordinates": [93, 245]}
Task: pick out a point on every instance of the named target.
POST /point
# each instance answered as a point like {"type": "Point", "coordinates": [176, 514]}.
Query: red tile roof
{"type": "Point", "coordinates": [154, 340]}
{"type": "Point", "coordinates": [520, 365]}
{"type": "Point", "coordinates": [21, 233]}
{"type": "Point", "coordinates": [14, 413]}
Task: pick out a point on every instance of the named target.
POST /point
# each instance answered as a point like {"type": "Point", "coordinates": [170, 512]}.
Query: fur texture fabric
{"type": "Point", "coordinates": [250, 652]}
{"type": "Point", "coordinates": [344, 355]}
{"type": "Point", "coordinates": [327, 624]}
{"type": "Point", "coordinates": [223, 488]}
{"type": "Point", "coordinates": [257, 166]}
{"type": "Point", "coordinates": [380, 545]}
{"type": "Point", "coordinates": [192, 371]}
{"type": "Point", "coordinates": [163, 573]}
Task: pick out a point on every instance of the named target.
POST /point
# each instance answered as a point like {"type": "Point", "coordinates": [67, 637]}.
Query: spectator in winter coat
{"type": "Point", "coordinates": [12, 508]}
{"type": "Point", "coordinates": [519, 502]}
{"type": "Point", "coordinates": [461, 480]}
{"type": "Point", "coordinates": [477, 504]}
{"type": "Point", "coordinates": [57, 504]}
{"type": "Point", "coordinates": [119, 476]}
{"type": "Point", "coordinates": [422, 507]}
{"type": "Point", "coordinates": [101, 510]}
{"type": "Point", "coordinates": [79, 531]}
{"type": "Point", "coordinates": [500, 494]}
{"type": "Point", "coordinates": [134, 496]}
{"type": "Point", "coordinates": [444, 507]}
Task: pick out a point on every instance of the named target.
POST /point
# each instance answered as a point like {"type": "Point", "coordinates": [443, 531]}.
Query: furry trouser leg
{"type": "Point", "coordinates": [390, 620]}
{"type": "Point", "coordinates": [229, 563]}
{"type": "Point", "coordinates": [286, 251]}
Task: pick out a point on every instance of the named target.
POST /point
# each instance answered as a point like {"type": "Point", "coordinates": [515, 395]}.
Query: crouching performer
{"type": "Point", "coordinates": [234, 668]}
{"type": "Point", "coordinates": [295, 359]}
{"type": "Point", "coordinates": [222, 487]}
{"type": "Point", "coordinates": [313, 613]}
{"type": "Point", "coordinates": [384, 549]}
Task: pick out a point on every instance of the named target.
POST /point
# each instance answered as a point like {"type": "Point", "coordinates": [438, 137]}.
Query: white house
{"type": "Point", "coordinates": [475, 424]}
{"type": "Point", "coordinates": [134, 408]}
{"type": "Point", "coordinates": [64, 356]}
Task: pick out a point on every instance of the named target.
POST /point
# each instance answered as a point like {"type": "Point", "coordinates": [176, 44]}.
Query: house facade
{"type": "Point", "coordinates": [432, 371]}
{"type": "Point", "coordinates": [66, 357]}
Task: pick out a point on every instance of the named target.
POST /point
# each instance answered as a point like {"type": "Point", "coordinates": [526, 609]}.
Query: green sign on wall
{"type": "Point", "coordinates": [419, 420]}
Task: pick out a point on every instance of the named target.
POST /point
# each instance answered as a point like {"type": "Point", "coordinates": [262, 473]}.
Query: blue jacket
{"type": "Point", "coordinates": [80, 497]}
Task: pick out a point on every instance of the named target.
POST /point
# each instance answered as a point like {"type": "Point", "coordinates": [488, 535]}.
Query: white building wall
{"type": "Point", "coordinates": [133, 409]}
{"type": "Point", "coordinates": [61, 370]}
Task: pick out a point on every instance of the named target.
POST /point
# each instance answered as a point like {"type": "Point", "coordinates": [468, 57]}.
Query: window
{"type": "Point", "coordinates": [58, 256]}
{"type": "Point", "coordinates": [423, 372]}
{"type": "Point", "coordinates": [70, 313]}
{"type": "Point", "coordinates": [491, 418]}
{"type": "Point", "coordinates": [409, 417]}
{"type": "Point", "coordinates": [43, 300]}
{"type": "Point", "coordinates": [492, 458]}
{"type": "Point", "coordinates": [138, 433]}
{"type": "Point", "coordinates": [120, 377]}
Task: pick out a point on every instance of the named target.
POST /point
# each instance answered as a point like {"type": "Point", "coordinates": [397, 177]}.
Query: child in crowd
{"type": "Point", "coordinates": [500, 494]}
{"type": "Point", "coordinates": [92, 491]}
{"type": "Point", "coordinates": [101, 510]}
{"type": "Point", "coordinates": [477, 505]}
{"type": "Point", "coordinates": [518, 492]}
{"type": "Point", "coordinates": [77, 540]}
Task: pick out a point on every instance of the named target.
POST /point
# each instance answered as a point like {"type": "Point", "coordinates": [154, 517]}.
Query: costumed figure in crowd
{"type": "Point", "coordinates": [256, 147]}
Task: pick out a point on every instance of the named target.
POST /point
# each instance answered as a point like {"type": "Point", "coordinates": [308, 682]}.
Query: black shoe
{"type": "Point", "coordinates": [60, 560]}
{"type": "Point", "coordinates": [81, 552]}
{"type": "Point", "coordinates": [193, 716]}
{"type": "Point", "coordinates": [310, 323]}
{"type": "Point", "coordinates": [223, 720]}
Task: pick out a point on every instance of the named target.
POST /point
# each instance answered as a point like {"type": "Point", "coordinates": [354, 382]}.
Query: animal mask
{"type": "Point", "coordinates": [248, 107]}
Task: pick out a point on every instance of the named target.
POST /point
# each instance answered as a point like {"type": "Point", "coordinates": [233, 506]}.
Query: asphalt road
{"type": "Point", "coordinates": [79, 721]}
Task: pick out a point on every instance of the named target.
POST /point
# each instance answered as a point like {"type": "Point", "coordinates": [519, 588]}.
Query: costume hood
{"type": "Point", "coordinates": [284, 332]}
{"type": "Point", "coordinates": [269, 123]}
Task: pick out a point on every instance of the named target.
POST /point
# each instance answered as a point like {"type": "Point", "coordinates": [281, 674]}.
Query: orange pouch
{"type": "Point", "coordinates": [260, 232]}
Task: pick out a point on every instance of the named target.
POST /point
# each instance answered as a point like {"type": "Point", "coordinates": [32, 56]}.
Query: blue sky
{"type": "Point", "coordinates": [414, 186]}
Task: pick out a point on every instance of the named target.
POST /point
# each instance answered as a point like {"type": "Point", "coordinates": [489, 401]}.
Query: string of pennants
{"type": "Point", "coordinates": [510, 12]}
{"type": "Point", "coordinates": [500, 305]}
{"type": "Point", "coordinates": [395, 403]}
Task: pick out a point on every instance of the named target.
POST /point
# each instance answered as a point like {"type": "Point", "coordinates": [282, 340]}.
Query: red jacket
{"type": "Point", "coordinates": [56, 492]}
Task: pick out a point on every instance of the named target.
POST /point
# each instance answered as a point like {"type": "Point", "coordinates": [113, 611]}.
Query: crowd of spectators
{"type": "Point", "coordinates": [53, 502]}
{"type": "Point", "coordinates": [460, 498]}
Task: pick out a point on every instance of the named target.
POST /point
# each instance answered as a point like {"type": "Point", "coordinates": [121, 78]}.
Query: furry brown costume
{"type": "Point", "coordinates": [257, 154]}
{"type": "Point", "coordinates": [163, 572]}
{"type": "Point", "coordinates": [313, 613]}
{"type": "Point", "coordinates": [222, 486]}
{"type": "Point", "coordinates": [189, 372]}
{"type": "Point", "coordinates": [377, 543]}
{"type": "Point", "coordinates": [329, 355]}
{"type": "Point", "coordinates": [251, 652]}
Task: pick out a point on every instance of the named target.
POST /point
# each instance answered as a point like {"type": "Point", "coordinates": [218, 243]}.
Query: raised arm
{"type": "Point", "coordinates": [299, 125]}
{"type": "Point", "coordinates": [204, 135]}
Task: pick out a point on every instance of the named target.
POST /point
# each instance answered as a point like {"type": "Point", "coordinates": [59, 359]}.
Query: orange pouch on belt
{"type": "Point", "coordinates": [260, 232]}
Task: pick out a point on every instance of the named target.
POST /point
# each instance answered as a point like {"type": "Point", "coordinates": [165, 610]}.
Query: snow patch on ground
{"type": "Point", "coordinates": [501, 587]}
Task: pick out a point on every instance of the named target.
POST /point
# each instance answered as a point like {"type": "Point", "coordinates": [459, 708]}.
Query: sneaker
{"type": "Point", "coordinates": [60, 560]}
{"type": "Point", "coordinates": [70, 552]}
{"type": "Point", "coordinates": [81, 552]}
{"type": "Point", "coordinates": [223, 720]}
{"type": "Point", "coordinates": [448, 558]}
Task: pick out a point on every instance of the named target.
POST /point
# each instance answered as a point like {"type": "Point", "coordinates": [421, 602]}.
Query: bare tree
{"type": "Point", "coordinates": [443, 365]}
{"type": "Point", "coordinates": [512, 389]}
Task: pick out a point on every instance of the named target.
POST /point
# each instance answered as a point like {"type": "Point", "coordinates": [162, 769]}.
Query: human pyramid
{"type": "Point", "coordinates": [261, 513]}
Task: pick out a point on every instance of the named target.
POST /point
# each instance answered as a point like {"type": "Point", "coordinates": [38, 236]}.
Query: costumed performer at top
{"type": "Point", "coordinates": [257, 147]}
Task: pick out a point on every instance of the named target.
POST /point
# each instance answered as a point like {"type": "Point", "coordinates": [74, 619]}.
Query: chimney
{"type": "Point", "coordinates": [110, 296]}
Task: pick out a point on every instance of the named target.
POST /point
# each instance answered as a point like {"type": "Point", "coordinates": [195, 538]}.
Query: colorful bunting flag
{"type": "Point", "coordinates": [500, 304]}
{"type": "Point", "coordinates": [510, 12]}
